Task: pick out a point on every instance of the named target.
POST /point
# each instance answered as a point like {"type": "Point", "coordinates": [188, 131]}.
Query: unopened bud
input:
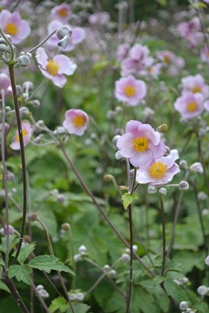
{"type": "Point", "coordinates": [61, 198]}
{"type": "Point", "coordinates": [207, 260]}
{"type": "Point", "coordinates": [183, 164]}
{"type": "Point", "coordinates": [73, 297]}
{"type": "Point", "coordinates": [4, 230]}
{"type": "Point", "coordinates": [80, 296]}
{"type": "Point", "coordinates": [125, 257]}
{"type": "Point", "coordinates": [28, 85]}
{"type": "Point", "coordinates": [19, 90]}
{"type": "Point", "coordinates": [115, 139]}
{"type": "Point", "coordinates": [112, 273]}
{"type": "Point", "coordinates": [202, 290]}
{"type": "Point", "coordinates": [163, 191]}
{"type": "Point", "coordinates": [82, 249]}
{"type": "Point", "coordinates": [183, 185]}
{"type": "Point", "coordinates": [3, 48]}
{"type": "Point", "coordinates": [61, 130]}
{"type": "Point", "coordinates": [63, 31]}
{"type": "Point", "coordinates": [33, 217]}
{"type": "Point", "coordinates": [202, 195]}
{"type": "Point", "coordinates": [36, 103]}
{"type": "Point", "coordinates": [40, 124]}
{"type": "Point", "coordinates": [108, 178]}
{"type": "Point", "coordinates": [151, 189]}
{"type": "Point", "coordinates": [65, 226]}
{"type": "Point", "coordinates": [24, 111]}
{"type": "Point", "coordinates": [183, 305]}
{"type": "Point", "coordinates": [23, 60]}
{"type": "Point", "coordinates": [118, 156]}
{"type": "Point", "coordinates": [162, 128]}
{"type": "Point", "coordinates": [63, 43]}
{"type": "Point", "coordinates": [196, 168]}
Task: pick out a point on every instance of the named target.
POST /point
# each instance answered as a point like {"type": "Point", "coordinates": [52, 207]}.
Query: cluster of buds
{"type": "Point", "coordinates": [109, 271]}
{"type": "Point", "coordinates": [42, 292]}
{"type": "Point", "coordinates": [184, 306]}
{"type": "Point", "coordinates": [82, 253]}
{"type": "Point", "coordinates": [76, 296]}
{"type": "Point", "coordinates": [64, 34]}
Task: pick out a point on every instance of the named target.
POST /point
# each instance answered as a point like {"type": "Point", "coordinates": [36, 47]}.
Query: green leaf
{"type": "Point", "coordinates": [20, 272]}
{"type": "Point", "coordinates": [49, 262]}
{"type": "Point", "coordinates": [79, 308]}
{"type": "Point", "coordinates": [172, 289]}
{"type": "Point", "coordinates": [13, 240]}
{"type": "Point", "coordinates": [58, 304]}
{"type": "Point", "coordinates": [25, 252]}
{"type": "Point", "coordinates": [128, 198]}
{"type": "Point", "coordinates": [1, 262]}
{"type": "Point", "coordinates": [4, 287]}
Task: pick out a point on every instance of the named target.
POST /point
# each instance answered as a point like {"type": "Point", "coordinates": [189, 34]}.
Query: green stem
{"type": "Point", "coordinates": [22, 154]}
{"type": "Point", "coordinates": [163, 232]}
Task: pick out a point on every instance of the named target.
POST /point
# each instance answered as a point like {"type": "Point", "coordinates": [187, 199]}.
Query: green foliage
{"type": "Point", "coordinates": [128, 198]}
{"type": "Point", "coordinates": [20, 272]}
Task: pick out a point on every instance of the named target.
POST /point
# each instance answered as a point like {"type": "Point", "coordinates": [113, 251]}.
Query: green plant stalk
{"type": "Point", "coordinates": [22, 153]}
{"type": "Point", "coordinates": [100, 208]}
{"type": "Point", "coordinates": [39, 297]}
{"type": "Point", "coordinates": [4, 169]}
{"type": "Point", "coordinates": [52, 253]}
{"type": "Point", "coordinates": [163, 232]}
{"type": "Point", "coordinates": [128, 302]}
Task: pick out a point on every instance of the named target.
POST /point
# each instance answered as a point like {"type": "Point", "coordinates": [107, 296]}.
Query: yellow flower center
{"type": "Point", "coordinates": [192, 106]}
{"type": "Point", "coordinates": [24, 133]}
{"type": "Point", "coordinates": [166, 59]}
{"type": "Point", "coordinates": [140, 144]}
{"type": "Point", "coordinates": [52, 67]}
{"type": "Point", "coordinates": [11, 29]}
{"type": "Point", "coordinates": [157, 170]}
{"type": "Point", "coordinates": [130, 91]}
{"type": "Point", "coordinates": [196, 89]}
{"type": "Point", "coordinates": [79, 121]}
{"type": "Point", "coordinates": [62, 12]}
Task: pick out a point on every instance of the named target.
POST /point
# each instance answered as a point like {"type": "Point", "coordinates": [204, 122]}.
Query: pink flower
{"type": "Point", "coordinates": [5, 85]}
{"type": "Point", "coordinates": [136, 61]}
{"type": "Point", "coordinates": [54, 69]}
{"type": "Point", "coordinates": [204, 55]}
{"type": "Point", "coordinates": [195, 84]}
{"type": "Point", "coordinates": [141, 144]}
{"type": "Point", "coordinates": [122, 51]}
{"type": "Point", "coordinates": [4, 230]}
{"type": "Point", "coordinates": [76, 121]}
{"type": "Point", "coordinates": [61, 12]}
{"type": "Point", "coordinates": [27, 132]}
{"type": "Point", "coordinates": [160, 171]}
{"type": "Point", "coordinates": [189, 105]}
{"type": "Point", "coordinates": [206, 105]}
{"type": "Point", "coordinates": [171, 61]}
{"type": "Point", "coordinates": [78, 35]}
{"type": "Point", "coordinates": [100, 18]}
{"type": "Point", "coordinates": [13, 25]}
{"type": "Point", "coordinates": [130, 90]}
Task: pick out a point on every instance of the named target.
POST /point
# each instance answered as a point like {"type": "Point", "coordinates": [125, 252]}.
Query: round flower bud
{"type": "Point", "coordinates": [202, 290]}
{"type": "Point", "coordinates": [183, 164]}
{"type": "Point", "coordinates": [28, 85]}
{"type": "Point", "coordinates": [63, 31]}
{"type": "Point", "coordinates": [61, 130]}
{"type": "Point", "coordinates": [8, 37]}
{"type": "Point", "coordinates": [108, 178]}
{"type": "Point", "coordinates": [183, 305]}
{"type": "Point", "coordinates": [115, 139]}
{"type": "Point", "coordinates": [40, 124]}
{"type": "Point", "coordinates": [73, 297]}
{"type": "Point", "coordinates": [77, 257]}
{"type": "Point", "coordinates": [36, 103]}
{"type": "Point", "coordinates": [29, 55]}
{"type": "Point", "coordinates": [43, 293]}
{"type": "Point", "coordinates": [202, 195]}
{"type": "Point", "coordinates": [3, 48]}
{"type": "Point", "coordinates": [39, 287]}
{"type": "Point", "coordinates": [33, 217]}
{"type": "Point", "coordinates": [112, 273]}
{"type": "Point", "coordinates": [196, 168]}
{"type": "Point", "coordinates": [125, 257]}
{"type": "Point", "coordinates": [151, 189]}
{"type": "Point", "coordinates": [162, 128]}
{"type": "Point", "coordinates": [106, 267]}
{"type": "Point", "coordinates": [24, 111]}
{"type": "Point", "coordinates": [82, 249]}
{"type": "Point", "coordinates": [23, 60]}
{"type": "Point", "coordinates": [163, 191]}
{"type": "Point", "coordinates": [183, 185]}
{"type": "Point", "coordinates": [118, 156]}
{"type": "Point", "coordinates": [61, 198]}
{"type": "Point", "coordinates": [65, 226]}
{"type": "Point", "coordinates": [10, 229]}
{"type": "Point", "coordinates": [19, 90]}
{"type": "Point", "coordinates": [80, 296]}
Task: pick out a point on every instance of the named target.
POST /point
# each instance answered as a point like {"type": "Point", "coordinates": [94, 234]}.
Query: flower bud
{"type": "Point", "coordinates": [108, 178]}
{"type": "Point", "coordinates": [24, 111]}
{"type": "Point", "coordinates": [163, 128]}
{"type": "Point", "coordinates": [63, 31]}
{"type": "Point", "coordinates": [202, 290]}
{"type": "Point", "coordinates": [61, 198]}
{"type": "Point", "coordinates": [73, 297]}
{"type": "Point", "coordinates": [33, 217]}
{"type": "Point", "coordinates": [183, 185]}
{"type": "Point", "coordinates": [115, 139]}
{"type": "Point", "coordinates": [106, 267]}
{"type": "Point", "coordinates": [82, 249]}
{"type": "Point", "coordinates": [36, 103]}
{"type": "Point", "coordinates": [196, 168]}
{"type": "Point", "coordinates": [29, 55]}
{"type": "Point", "coordinates": [112, 273]}
{"type": "Point", "coordinates": [118, 156]}
{"type": "Point", "coordinates": [3, 48]}
{"type": "Point", "coordinates": [183, 305]}
{"type": "Point", "coordinates": [183, 164]}
{"type": "Point", "coordinates": [163, 191]}
{"type": "Point", "coordinates": [202, 195]}
{"type": "Point", "coordinates": [28, 85]}
{"type": "Point", "coordinates": [40, 124]}
{"type": "Point", "coordinates": [63, 43]}
{"type": "Point", "coordinates": [80, 296]}
{"type": "Point", "coordinates": [65, 226]}
{"type": "Point", "coordinates": [19, 90]}
{"type": "Point", "coordinates": [151, 189]}
{"type": "Point", "coordinates": [10, 229]}
{"type": "Point", "coordinates": [43, 293]}
{"type": "Point", "coordinates": [77, 257]}
{"type": "Point", "coordinates": [23, 60]}
{"type": "Point", "coordinates": [61, 130]}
